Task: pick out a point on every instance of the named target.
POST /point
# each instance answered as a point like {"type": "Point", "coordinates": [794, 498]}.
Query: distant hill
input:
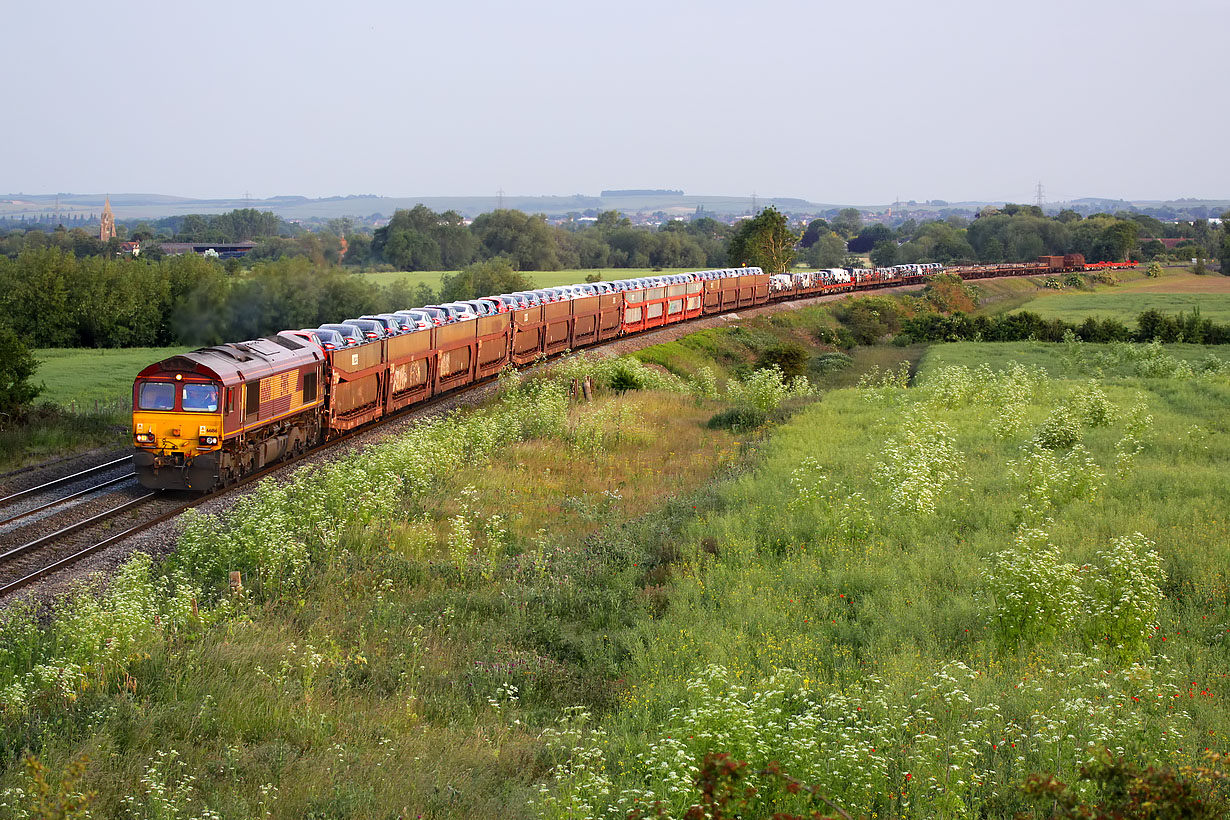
{"type": "Point", "coordinates": [630, 201]}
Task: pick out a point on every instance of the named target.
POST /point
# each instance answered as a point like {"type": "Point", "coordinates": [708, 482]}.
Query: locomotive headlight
{"type": "Point", "coordinates": [209, 439]}
{"type": "Point", "coordinates": [145, 438]}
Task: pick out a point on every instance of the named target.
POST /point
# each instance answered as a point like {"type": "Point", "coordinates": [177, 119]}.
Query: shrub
{"type": "Point", "coordinates": [1125, 594]}
{"type": "Point", "coordinates": [827, 363]}
{"type": "Point", "coordinates": [790, 358]}
{"type": "Point", "coordinates": [1096, 410]}
{"type": "Point", "coordinates": [1060, 430]}
{"type": "Point", "coordinates": [1034, 595]}
{"type": "Point", "coordinates": [1051, 480]}
{"type": "Point", "coordinates": [919, 464]}
{"type": "Point", "coordinates": [948, 293]}
{"type": "Point", "coordinates": [1104, 277]}
{"type": "Point", "coordinates": [1126, 791]}
{"type": "Point", "coordinates": [766, 389]}
{"type": "Point", "coordinates": [870, 318]}
{"type": "Point", "coordinates": [738, 419]}
{"type": "Point", "coordinates": [17, 367]}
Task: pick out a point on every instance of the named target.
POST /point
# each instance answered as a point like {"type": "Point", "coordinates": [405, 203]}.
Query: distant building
{"type": "Point", "coordinates": [106, 228]}
{"type": "Point", "coordinates": [222, 250]}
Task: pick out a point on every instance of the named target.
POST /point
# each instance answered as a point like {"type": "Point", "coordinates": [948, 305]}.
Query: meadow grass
{"type": "Point", "coordinates": [1046, 355]}
{"type": "Point", "coordinates": [817, 623]}
{"type": "Point", "coordinates": [86, 403]}
{"type": "Point", "coordinates": [79, 377]}
{"type": "Point", "coordinates": [410, 667]}
{"type": "Point", "coordinates": [1075, 307]}
{"type": "Point", "coordinates": [1176, 290]}
{"type": "Point", "coordinates": [912, 597]}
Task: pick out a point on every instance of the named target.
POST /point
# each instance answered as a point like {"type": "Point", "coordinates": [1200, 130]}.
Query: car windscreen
{"type": "Point", "coordinates": [156, 396]}
{"type": "Point", "coordinates": [201, 398]}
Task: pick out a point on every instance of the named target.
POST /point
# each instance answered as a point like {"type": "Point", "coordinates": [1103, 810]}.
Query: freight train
{"type": "Point", "coordinates": [205, 419]}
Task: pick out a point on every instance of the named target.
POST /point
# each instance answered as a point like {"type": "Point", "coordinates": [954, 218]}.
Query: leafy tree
{"type": "Point", "coordinates": [17, 367]}
{"type": "Point", "coordinates": [884, 254]}
{"type": "Point", "coordinates": [1152, 249]}
{"type": "Point", "coordinates": [1225, 244]}
{"type": "Point", "coordinates": [525, 240]}
{"type": "Point", "coordinates": [458, 246]}
{"type": "Point", "coordinates": [848, 222]}
{"type": "Point", "coordinates": [483, 279]}
{"type": "Point", "coordinates": [869, 237]}
{"type": "Point", "coordinates": [1118, 239]}
{"type": "Point", "coordinates": [815, 229]}
{"type": "Point", "coordinates": [826, 252]}
{"type": "Point", "coordinates": [765, 241]}
{"type": "Point", "coordinates": [408, 241]}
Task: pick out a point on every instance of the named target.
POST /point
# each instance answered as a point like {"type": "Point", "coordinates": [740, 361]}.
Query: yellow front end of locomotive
{"type": "Point", "coordinates": [177, 429]}
{"type": "Point", "coordinates": [175, 433]}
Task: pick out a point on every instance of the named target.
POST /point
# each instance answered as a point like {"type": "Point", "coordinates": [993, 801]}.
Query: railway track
{"type": "Point", "coordinates": [49, 549]}
{"type": "Point", "coordinates": [24, 562]}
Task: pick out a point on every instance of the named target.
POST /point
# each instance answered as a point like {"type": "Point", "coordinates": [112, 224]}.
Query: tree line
{"type": "Point", "coordinates": [52, 298]}
{"type": "Point", "coordinates": [1011, 234]}
{"type": "Point", "coordinates": [421, 239]}
{"type": "Point", "coordinates": [1151, 325]}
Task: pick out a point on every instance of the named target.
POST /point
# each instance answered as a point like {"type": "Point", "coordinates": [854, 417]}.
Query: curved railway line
{"type": "Point", "coordinates": [59, 532]}
{"type": "Point", "coordinates": [55, 547]}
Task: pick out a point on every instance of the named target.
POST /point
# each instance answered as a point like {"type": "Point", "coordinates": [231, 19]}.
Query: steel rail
{"type": "Point", "coordinates": [58, 481]}
{"type": "Point", "coordinates": [80, 525]}
{"type": "Point", "coordinates": [65, 499]}
{"type": "Point", "coordinates": [406, 411]}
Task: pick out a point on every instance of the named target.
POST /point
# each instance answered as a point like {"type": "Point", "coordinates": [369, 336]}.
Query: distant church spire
{"type": "Point", "coordinates": [106, 230]}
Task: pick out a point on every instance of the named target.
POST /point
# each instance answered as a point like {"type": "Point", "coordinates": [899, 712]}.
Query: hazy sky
{"type": "Point", "coordinates": [846, 102]}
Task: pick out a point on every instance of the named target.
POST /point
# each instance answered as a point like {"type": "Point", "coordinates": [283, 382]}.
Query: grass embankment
{"type": "Point", "coordinates": [415, 617]}
{"type": "Point", "coordinates": [922, 595]}
{"type": "Point", "coordinates": [86, 403]}
{"type": "Point", "coordinates": [1176, 290]}
{"type": "Point", "coordinates": [853, 597]}
{"type": "Point", "coordinates": [90, 379]}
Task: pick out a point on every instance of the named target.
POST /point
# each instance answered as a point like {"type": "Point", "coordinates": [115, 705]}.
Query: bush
{"type": "Point", "coordinates": [1060, 430]}
{"type": "Point", "coordinates": [766, 389]}
{"type": "Point", "coordinates": [1129, 792]}
{"type": "Point", "coordinates": [738, 419]}
{"type": "Point", "coordinates": [790, 358]}
{"type": "Point", "coordinates": [17, 367]}
{"type": "Point", "coordinates": [827, 363]}
{"type": "Point", "coordinates": [870, 318]}
{"type": "Point", "coordinates": [1035, 595]}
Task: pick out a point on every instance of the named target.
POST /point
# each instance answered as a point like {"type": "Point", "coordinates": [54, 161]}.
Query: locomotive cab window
{"type": "Point", "coordinates": [309, 388]}
{"type": "Point", "coordinates": [252, 399]}
{"type": "Point", "coordinates": [157, 396]}
{"type": "Point", "coordinates": [201, 398]}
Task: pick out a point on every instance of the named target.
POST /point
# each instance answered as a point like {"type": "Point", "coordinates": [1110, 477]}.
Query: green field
{"type": "Point", "coordinates": [80, 377]}
{"type": "Point", "coordinates": [1177, 290]}
{"type": "Point", "coordinates": [541, 279]}
{"type": "Point", "coordinates": [1049, 356]}
{"type": "Point", "coordinates": [910, 598]}
{"type": "Point", "coordinates": [1075, 307]}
